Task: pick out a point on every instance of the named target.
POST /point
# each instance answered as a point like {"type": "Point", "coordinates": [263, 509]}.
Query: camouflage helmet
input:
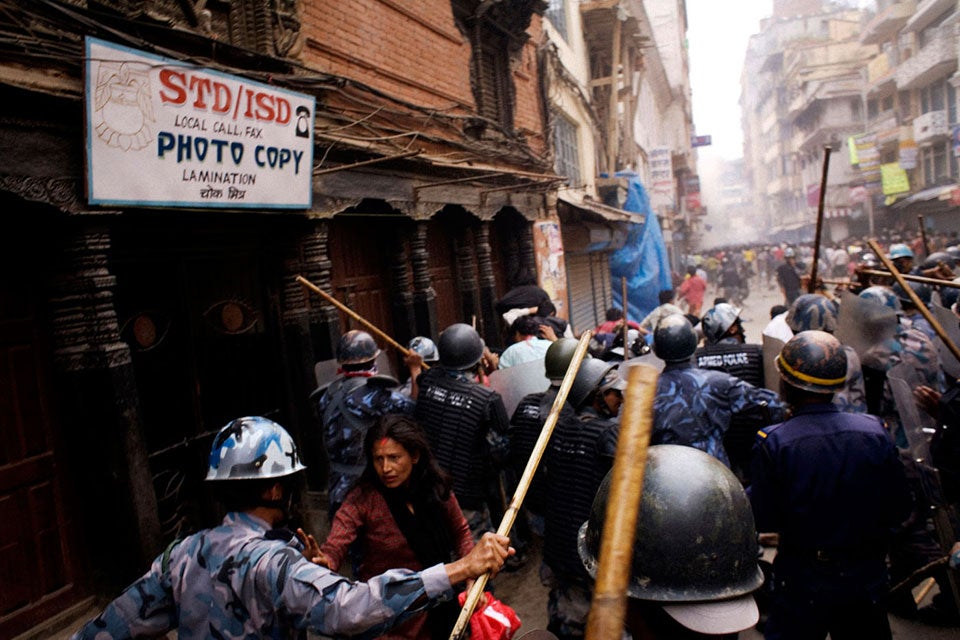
{"type": "Point", "coordinates": [814, 361]}
{"type": "Point", "coordinates": [592, 374]}
{"type": "Point", "coordinates": [558, 358]}
{"type": "Point", "coordinates": [674, 339]}
{"type": "Point", "coordinates": [718, 320]}
{"type": "Point", "coordinates": [900, 250]}
{"type": "Point", "coordinates": [461, 347]}
{"type": "Point", "coordinates": [812, 311]}
{"type": "Point", "coordinates": [425, 348]}
{"type": "Point", "coordinates": [253, 448]}
{"type": "Point", "coordinates": [923, 291]}
{"type": "Point", "coordinates": [883, 296]}
{"type": "Point", "coordinates": [695, 538]}
{"type": "Point", "coordinates": [356, 347]}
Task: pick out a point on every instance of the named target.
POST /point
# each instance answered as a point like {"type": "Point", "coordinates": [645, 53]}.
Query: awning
{"type": "Point", "coordinates": [589, 226]}
{"type": "Point", "coordinates": [941, 192]}
{"type": "Point", "coordinates": [597, 210]}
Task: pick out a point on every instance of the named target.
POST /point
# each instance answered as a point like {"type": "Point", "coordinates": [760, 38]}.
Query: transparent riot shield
{"type": "Point", "coordinates": [864, 325]}
{"type": "Point", "coordinates": [771, 349]}
{"type": "Point", "coordinates": [951, 325]}
{"type": "Point", "coordinates": [918, 426]}
{"type": "Point", "coordinates": [513, 383]}
{"type": "Point", "coordinates": [648, 359]}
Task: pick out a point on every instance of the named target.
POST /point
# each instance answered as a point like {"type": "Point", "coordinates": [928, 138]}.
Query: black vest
{"type": "Point", "coordinates": [744, 361]}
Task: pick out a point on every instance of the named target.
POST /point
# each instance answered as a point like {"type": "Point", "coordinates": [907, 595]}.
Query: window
{"type": "Point", "coordinates": [933, 97]}
{"type": "Point", "coordinates": [557, 15]}
{"type": "Point", "coordinates": [872, 110]}
{"type": "Point", "coordinates": [567, 150]}
{"type": "Point", "coordinates": [936, 164]}
{"type": "Point", "coordinates": [951, 104]}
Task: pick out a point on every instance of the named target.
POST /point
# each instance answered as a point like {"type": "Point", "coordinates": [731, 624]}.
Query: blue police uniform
{"type": "Point", "coordinates": [832, 485]}
{"type": "Point", "coordinates": [694, 407]}
{"type": "Point", "coordinates": [237, 581]}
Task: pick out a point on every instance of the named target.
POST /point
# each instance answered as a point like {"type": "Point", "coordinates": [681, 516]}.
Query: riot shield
{"type": "Point", "coordinates": [951, 325]}
{"type": "Point", "coordinates": [918, 426]}
{"type": "Point", "coordinates": [864, 324]}
{"type": "Point", "coordinates": [648, 359]}
{"type": "Point", "coordinates": [325, 371]}
{"type": "Point", "coordinates": [771, 349]}
{"type": "Point", "coordinates": [513, 383]}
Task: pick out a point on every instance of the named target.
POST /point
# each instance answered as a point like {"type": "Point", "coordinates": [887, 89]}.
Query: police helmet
{"type": "Point", "coordinates": [253, 448]}
{"type": "Point", "coordinates": [460, 347]}
{"type": "Point", "coordinates": [954, 252]}
{"type": "Point", "coordinates": [674, 339]}
{"type": "Point", "coordinates": [812, 311]}
{"type": "Point", "coordinates": [558, 358]}
{"type": "Point", "coordinates": [869, 261]}
{"type": "Point", "coordinates": [425, 348]}
{"type": "Point", "coordinates": [356, 347]}
{"type": "Point", "coordinates": [923, 291]}
{"type": "Point", "coordinates": [883, 296]}
{"type": "Point", "coordinates": [900, 250]}
{"type": "Point", "coordinates": [592, 376]}
{"type": "Point", "coordinates": [789, 252]}
{"type": "Point", "coordinates": [935, 258]}
{"type": "Point", "coordinates": [695, 539]}
{"type": "Point", "coordinates": [814, 361]}
{"type": "Point", "coordinates": [718, 320]}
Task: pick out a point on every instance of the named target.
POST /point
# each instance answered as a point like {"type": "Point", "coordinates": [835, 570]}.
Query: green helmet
{"type": "Point", "coordinates": [558, 358]}
{"type": "Point", "coordinates": [593, 373]}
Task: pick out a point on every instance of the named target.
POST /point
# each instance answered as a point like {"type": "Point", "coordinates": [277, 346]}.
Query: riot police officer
{"type": "Point", "coordinates": [350, 405]}
{"type": "Point", "coordinates": [250, 578]}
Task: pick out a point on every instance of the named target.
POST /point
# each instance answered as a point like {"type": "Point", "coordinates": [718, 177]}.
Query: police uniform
{"type": "Point", "coordinates": [466, 424]}
{"type": "Point", "coordinates": [831, 484]}
{"type": "Point", "coordinates": [240, 581]}
{"type": "Point", "coordinates": [694, 407]}
{"type": "Point", "coordinates": [579, 455]}
{"type": "Point", "coordinates": [348, 408]}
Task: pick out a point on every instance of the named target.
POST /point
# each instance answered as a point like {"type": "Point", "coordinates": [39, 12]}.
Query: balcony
{"type": "Point", "coordinates": [936, 60]}
{"type": "Point", "coordinates": [881, 73]}
{"type": "Point", "coordinates": [930, 127]}
{"type": "Point", "coordinates": [885, 25]}
{"type": "Point", "coordinates": [928, 11]}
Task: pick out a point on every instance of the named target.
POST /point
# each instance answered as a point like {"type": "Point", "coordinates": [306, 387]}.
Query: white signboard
{"type": "Point", "coordinates": [161, 132]}
{"type": "Point", "coordinates": [662, 188]}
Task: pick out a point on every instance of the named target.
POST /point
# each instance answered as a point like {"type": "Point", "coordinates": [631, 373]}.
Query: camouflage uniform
{"type": "Point", "coordinates": [239, 581]}
{"type": "Point", "coordinates": [694, 407]}
{"type": "Point", "coordinates": [350, 405]}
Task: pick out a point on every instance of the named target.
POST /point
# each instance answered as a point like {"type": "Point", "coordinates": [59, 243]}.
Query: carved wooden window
{"type": "Point", "coordinates": [494, 86]}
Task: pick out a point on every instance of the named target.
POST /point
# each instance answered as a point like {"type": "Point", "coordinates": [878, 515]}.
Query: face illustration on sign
{"type": "Point", "coordinates": [303, 122]}
{"type": "Point", "coordinates": [123, 106]}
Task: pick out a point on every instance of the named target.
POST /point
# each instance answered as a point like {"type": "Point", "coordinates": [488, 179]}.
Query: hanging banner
{"type": "Point", "coordinates": [894, 179]}
{"type": "Point", "coordinates": [164, 133]}
{"type": "Point", "coordinates": [662, 188]}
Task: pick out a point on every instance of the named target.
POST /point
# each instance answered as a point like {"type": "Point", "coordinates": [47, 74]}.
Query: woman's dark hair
{"type": "Point", "coordinates": [427, 477]}
{"type": "Point", "coordinates": [613, 314]}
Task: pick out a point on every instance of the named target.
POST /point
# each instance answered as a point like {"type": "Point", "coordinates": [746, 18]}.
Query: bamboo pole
{"type": "Point", "coordinates": [609, 606]}
{"type": "Point", "coordinates": [626, 310]}
{"type": "Point", "coordinates": [356, 316]}
{"type": "Point", "coordinates": [812, 284]}
{"type": "Point", "coordinates": [510, 516]}
{"type": "Point", "coordinates": [909, 277]}
{"type": "Point", "coordinates": [923, 235]}
{"type": "Point", "coordinates": [916, 300]}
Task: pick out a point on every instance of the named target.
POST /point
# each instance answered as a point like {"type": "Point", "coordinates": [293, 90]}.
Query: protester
{"type": "Point", "coordinates": [664, 309]}
{"type": "Point", "coordinates": [692, 290]}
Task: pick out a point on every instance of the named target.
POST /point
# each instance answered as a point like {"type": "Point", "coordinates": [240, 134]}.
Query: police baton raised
{"type": "Point", "coordinates": [470, 603]}
{"type": "Point", "coordinates": [356, 316]}
{"type": "Point", "coordinates": [609, 605]}
{"type": "Point", "coordinates": [812, 284]}
{"type": "Point", "coordinates": [915, 298]}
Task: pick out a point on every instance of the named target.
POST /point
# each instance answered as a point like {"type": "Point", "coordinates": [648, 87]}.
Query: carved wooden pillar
{"type": "Point", "coordinates": [324, 318]}
{"type": "Point", "coordinates": [401, 295]}
{"type": "Point", "coordinates": [101, 409]}
{"type": "Point", "coordinates": [467, 278]}
{"type": "Point", "coordinates": [424, 297]}
{"type": "Point", "coordinates": [528, 257]}
{"type": "Point", "coordinates": [488, 326]}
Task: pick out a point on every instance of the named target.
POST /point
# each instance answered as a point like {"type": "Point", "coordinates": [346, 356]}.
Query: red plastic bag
{"type": "Point", "coordinates": [492, 619]}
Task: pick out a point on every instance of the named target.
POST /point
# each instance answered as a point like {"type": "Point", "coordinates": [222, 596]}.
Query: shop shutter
{"type": "Point", "coordinates": [588, 287]}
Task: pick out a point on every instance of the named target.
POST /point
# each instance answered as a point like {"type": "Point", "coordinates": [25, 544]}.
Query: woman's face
{"type": "Point", "coordinates": [392, 462]}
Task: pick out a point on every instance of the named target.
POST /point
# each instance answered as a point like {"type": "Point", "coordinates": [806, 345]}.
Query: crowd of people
{"type": "Point", "coordinates": [824, 463]}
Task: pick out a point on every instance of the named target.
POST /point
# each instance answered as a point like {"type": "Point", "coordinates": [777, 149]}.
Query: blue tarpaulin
{"type": "Point", "coordinates": [643, 260]}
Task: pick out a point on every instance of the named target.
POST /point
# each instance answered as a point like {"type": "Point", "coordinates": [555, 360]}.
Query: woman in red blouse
{"type": "Point", "coordinates": [402, 513]}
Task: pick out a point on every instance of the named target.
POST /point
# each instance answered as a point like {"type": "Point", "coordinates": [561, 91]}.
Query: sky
{"type": "Point", "coordinates": [717, 34]}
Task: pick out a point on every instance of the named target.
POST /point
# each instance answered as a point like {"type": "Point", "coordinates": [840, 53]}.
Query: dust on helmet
{"type": "Point", "coordinates": [674, 339]}
{"type": "Point", "coordinates": [253, 448]}
{"type": "Point", "coordinates": [425, 348]}
{"type": "Point", "coordinates": [356, 347]}
{"type": "Point", "coordinates": [883, 296]}
{"type": "Point", "coordinates": [590, 376]}
{"type": "Point", "coordinates": [923, 291]}
{"type": "Point", "coordinates": [460, 346]}
{"type": "Point", "coordinates": [558, 358]}
{"type": "Point", "coordinates": [814, 361]}
{"type": "Point", "coordinates": [812, 311]}
{"type": "Point", "coordinates": [695, 538]}
{"type": "Point", "coordinates": [900, 250]}
{"type": "Point", "coordinates": [718, 320]}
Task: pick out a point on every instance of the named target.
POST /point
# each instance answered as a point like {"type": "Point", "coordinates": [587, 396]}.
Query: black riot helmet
{"type": "Point", "coordinates": [935, 258]}
{"type": "Point", "coordinates": [695, 540]}
{"type": "Point", "coordinates": [674, 339]}
{"type": "Point", "coordinates": [357, 347]}
{"type": "Point", "coordinates": [461, 347]}
{"type": "Point", "coordinates": [923, 291]}
{"type": "Point", "coordinates": [813, 361]}
{"type": "Point", "coordinates": [589, 377]}
{"type": "Point", "coordinates": [558, 358]}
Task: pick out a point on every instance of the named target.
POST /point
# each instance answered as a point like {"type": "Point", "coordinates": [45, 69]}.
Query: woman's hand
{"type": "Point", "coordinates": [311, 550]}
{"type": "Point", "coordinates": [488, 555]}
